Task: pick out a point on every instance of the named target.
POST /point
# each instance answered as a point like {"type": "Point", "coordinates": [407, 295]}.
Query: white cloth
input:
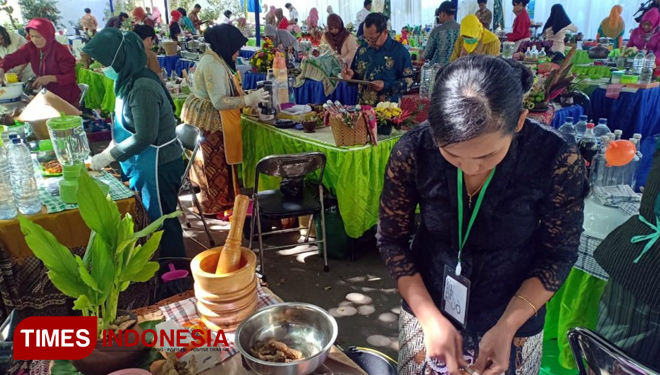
{"type": "Point", "coordinates": [362, 15]}
{"type": "Point", "coordinates": [226, 20]}
{"type": "Point", "coordinates": [558, 44]}
{"type": "Point", "coordinates": [293, 15]}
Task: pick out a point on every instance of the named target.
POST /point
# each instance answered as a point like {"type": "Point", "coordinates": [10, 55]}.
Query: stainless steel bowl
{"type": "Point", "coordinates": [301, 326]}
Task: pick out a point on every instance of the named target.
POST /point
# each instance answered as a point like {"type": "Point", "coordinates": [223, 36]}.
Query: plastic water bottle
{"type": "Point", "coordinates": [599, 170]}
{"type": "Point", "coordinates": [646, 75]}
{"type": "Point", "coordinates": [535, 53]}
{"type": "Point", "coordinates": [601, 129]}
{"type": "Point", "coordinates": [638, 62]}
{"type": "Point", "coordinates": [424, 87]}
{"type": "Point", "coordinates": [24, 185]}
{"type": "Point", "coordinates": [7, 203]}
{"type": "Point", "coordinates": [581, 126]}
{"type": "Point", "coordinates": [528, 54]}
{"type": "Point", "coordinates": [568, 128]}
{"type": "Point", "coordinates": [434, 73]}
{"type": "Point", "coordinates": [617, 134]}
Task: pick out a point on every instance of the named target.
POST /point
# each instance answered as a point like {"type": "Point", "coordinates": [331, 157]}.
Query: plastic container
{"type": "Point", "coordinates": [7, 203]}
{"type": "Point", "coordinates": [24, 185]}
{"type": "Point", "coordinates": [69, 139]}
{"type": "Point", "coordinates": [581, 126]}
{"type": "Point", "coordinates": [568, 128]}
{"type": "Point", "coordinates": [638, 62]}
{"type": "Point", "coordinates": [616, 76]}
{"type": "Point", "coordinates": [601, 129]}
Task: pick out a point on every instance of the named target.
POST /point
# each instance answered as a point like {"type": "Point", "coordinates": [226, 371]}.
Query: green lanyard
{"type": "Point", "coordinates": [462, 238]}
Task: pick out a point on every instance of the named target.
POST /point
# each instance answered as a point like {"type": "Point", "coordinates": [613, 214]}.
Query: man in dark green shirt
{"type": "Point", "coordinates": [382, 61]}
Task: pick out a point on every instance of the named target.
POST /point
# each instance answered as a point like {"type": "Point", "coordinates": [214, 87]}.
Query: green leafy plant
{"type": "Point", "coordinates": [112, 260]}
{"type": "Point", "coordinates": [40, 9]}
{"type": "Point", "coordinates": [9, 10]}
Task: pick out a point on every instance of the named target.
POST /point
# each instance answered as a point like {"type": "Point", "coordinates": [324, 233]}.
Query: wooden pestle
{"type": "Point", "coordinates": [230, 256]}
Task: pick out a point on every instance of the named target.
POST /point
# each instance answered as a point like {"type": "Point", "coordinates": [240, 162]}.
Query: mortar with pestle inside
{"type": "Point", "coordinates": [225, 277]}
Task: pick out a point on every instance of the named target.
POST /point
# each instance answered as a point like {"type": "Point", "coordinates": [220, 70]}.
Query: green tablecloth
{"type": "Point", "coordinates": [354, 174]}
{"type": "Point", "coordinates": [592, 71]}
{"type": "Point", "coordinates": [581, 57]}
{"type": "Point", "coordinates": [574, 305]}
{"type": "Point", "coordinates": [101, 93]}
{"type": "Point", "coordinates": [252, 42]}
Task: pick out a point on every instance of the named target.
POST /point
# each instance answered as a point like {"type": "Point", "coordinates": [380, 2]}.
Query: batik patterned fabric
{"type": "Point", "coordinates": [391, 63]}
{"type": "Point", "coordinates": [526, 352]}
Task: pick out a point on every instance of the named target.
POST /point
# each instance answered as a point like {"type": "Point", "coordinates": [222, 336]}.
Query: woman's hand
{"type": "Point", "coordinates": [43, 81]}
{"type": "Point", "coordinates": [443, 342]}
{"type": "Point", "coordinates": [495, 351]}
{"type": "Point", "coordinates": [257, 97]}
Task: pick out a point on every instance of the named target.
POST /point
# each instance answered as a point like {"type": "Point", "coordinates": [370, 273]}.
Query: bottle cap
{"type": "Point", "coordinates": [618, 131]}
{"type": "Point", "coordinates": [604, 138]}
{"type": "Point", "coordinates": [637, 136]}
{"type": "Point", "coordinates": [13, 135]}
{"type": "Point", "coordinates": [590, 125]}
{"type": "Point", "coordinates": [583, 118]}
{"type": "Point", "coordinates": [569, 119]}
{"type": "Point", "coordinates": [602, 121]}
{"type": "Point", "coordinates": [15, 141]}
{"type": "Point", "coordinates": [633, 140]}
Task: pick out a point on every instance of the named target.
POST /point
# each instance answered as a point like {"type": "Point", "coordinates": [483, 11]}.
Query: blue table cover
{"type": "Point", "coordinates": [632, 112]}
{"type": "Point", "coordinates": [182, 65]}
{"type": "Point", "coordinates": [311, 92]}
{"type": "Point", "coordinates": [246, 54]}
{"type": "Point", "coordinates": [250, 80]}
{"type": "Point", "coordinates": [574, 111]}
{"type": "Point", "coordinates": [169, 63]}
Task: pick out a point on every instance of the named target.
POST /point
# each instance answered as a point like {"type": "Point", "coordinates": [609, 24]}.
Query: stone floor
{"type": "Point", "coordinates": [359, 293]}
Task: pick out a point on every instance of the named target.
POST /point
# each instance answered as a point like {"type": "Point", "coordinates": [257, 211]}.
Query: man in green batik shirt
{"type": "Point", "coordinates": [382, 61]}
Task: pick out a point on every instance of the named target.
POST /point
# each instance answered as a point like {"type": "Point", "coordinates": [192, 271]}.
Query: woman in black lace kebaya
{"type": "Point", "coordinates": [527, 186]}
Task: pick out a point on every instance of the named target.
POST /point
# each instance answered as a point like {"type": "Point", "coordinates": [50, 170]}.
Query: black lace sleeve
{"type": "Point", "coordinates": [397, 211]}
{"type": "Point", "coordinates": [562, 215]}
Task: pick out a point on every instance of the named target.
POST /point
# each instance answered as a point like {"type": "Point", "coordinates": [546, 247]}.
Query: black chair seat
{"type": "Point", "coordinates": [275, 205]}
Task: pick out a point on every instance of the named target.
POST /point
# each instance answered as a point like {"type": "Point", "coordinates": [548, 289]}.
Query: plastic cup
{"type": "Point", "coordinates": [11, 77]}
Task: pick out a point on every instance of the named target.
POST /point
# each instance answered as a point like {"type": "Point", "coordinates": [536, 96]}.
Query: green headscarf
{"type": "Point", "coordinates": [130, 63]}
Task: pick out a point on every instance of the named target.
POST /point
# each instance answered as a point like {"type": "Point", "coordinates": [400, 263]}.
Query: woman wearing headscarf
{"type": "Point", "coordinates": [339, 39]}
{"type": "Point", "coordinates": [282, 22]}
{"type": "Point", "coordinates": [613, 27]}
{"type": "Point", "coordinates": [313, 18]}
{"type": "Point", "coordinates": [271, 17]}
{"type": "Point", "coordinates": [186, 22]}
{"type": "Point", "coordinates": [217, 88]}
{"type": "Point", "coordinates": [281, 39]}
{"type": "Point", "coordinates": [51, 61]}
{"type": "Point", "coordinates": [475, 40]}
{"type": "Point", "coordinates": [556, 27]}
{"type": "Point", "coordinates": [642, 37]}
{"type": "Point", "coordinates": [175, 28]}
{"type": "Point", "coordinates": [140, 17]}
{"type": "Point", "coordinates": [144, 131]}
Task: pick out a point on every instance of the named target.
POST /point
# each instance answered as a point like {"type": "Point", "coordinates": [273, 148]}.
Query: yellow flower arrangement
{"type": "Point", "coordinates": [262, 60]}
{"type": "Point", "coordinates": [387, 113]}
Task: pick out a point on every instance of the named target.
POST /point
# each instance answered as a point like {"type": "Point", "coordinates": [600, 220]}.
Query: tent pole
{"type": "Point", "coordinates": [167, 14]}
{"type": "Point", "coordinates": [112, 10]}
{"type": "Point", "coordinates": [257, 21]}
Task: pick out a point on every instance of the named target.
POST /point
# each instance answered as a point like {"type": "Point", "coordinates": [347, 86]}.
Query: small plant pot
{"type": "Point", "coordinates": [309, 126]}
{"type": "Point", "coordinates": [107, 359]}
{"type": "Point", "coordinates": [385, 129]}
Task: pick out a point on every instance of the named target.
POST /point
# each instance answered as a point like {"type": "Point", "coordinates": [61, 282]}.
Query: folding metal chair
{"type": "Point", "coordinates": [601, 356]}
{"type": "Point", "coordinates": [83, 91]}
{"type": "Point", "coordinates": [273, 204]}
{"type": "Point", "coordinates": [190, 138]}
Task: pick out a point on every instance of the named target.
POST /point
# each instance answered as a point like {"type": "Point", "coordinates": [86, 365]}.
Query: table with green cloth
{"type": "Point", "coordinates": [355, 175]}
{"type": "Point", "coordinates": [101, 93]}
{"type": "Point", "coordinates": [592, 71]}
{"type": "Point", "coordinates": [54, 204]}
{"type": "Point", "coordinates": [580, 57]}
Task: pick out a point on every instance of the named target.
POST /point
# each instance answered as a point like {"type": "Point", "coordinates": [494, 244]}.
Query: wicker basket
{"type": "Point", "coordinates": [171, 48]}
{"type": "Point", "coordinates": [345, 136]}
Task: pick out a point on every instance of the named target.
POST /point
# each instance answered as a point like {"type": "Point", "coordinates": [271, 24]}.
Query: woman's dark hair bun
{"type": "Point", "coordinates": [526, 75]}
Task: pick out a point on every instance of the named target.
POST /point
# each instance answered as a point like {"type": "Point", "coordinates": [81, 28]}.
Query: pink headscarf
{"type": "Point", "coordinates": [313, 19]}
{"type": "Point", "coordinates": [639, 38]}
{"type": "Point", "coordinates": [242, 22]}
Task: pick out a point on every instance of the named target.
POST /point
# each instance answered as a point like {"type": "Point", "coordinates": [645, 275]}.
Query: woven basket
{"type": "Point", "coordinates": [345, 136]}
{"type": "Point", "coordinates": [171, 48]}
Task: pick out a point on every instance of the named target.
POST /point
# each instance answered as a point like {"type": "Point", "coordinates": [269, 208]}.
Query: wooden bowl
{"type": "Point", "coordinates": [203, 271]}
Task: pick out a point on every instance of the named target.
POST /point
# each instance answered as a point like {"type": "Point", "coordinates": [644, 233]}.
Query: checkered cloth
{"type": "Point", "coordinates": [586, 261]}
{"type": "Point", "coordinates": [53, 203]}
{"type": "Point", "coordinates": [620, 196]}
{"type": "Point", "coordinates": [185, 312]}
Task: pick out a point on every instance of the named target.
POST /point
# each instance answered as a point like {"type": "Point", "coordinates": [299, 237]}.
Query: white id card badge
{"type": "Point", "coordinates": [455, 296]}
